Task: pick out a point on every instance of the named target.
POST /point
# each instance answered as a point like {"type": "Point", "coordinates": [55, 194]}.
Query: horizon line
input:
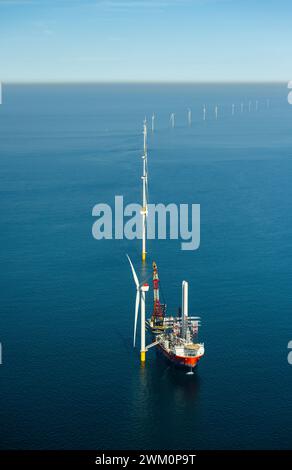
{"type": "Point", "coordinates": [143, 82]}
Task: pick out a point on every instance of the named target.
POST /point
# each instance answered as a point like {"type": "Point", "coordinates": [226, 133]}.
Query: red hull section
{"type": "Point", "coordinates": [178, 360]}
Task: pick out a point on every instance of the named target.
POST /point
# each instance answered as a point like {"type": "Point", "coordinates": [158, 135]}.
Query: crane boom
{"type": "Point", "coordinates": [158, 308]}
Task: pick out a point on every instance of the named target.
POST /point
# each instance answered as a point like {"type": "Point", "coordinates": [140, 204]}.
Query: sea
{"type": "Point", "coordinates": [70, 377]}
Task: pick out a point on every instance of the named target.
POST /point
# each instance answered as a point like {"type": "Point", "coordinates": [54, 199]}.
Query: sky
{"type": "Point", "coordinates": [145, 40]}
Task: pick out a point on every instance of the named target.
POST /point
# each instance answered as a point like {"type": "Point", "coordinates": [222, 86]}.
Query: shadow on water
{"type": "Point", "coordinates": [162, 377]}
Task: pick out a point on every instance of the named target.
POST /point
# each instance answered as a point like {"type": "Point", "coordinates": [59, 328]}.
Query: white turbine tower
{"type": "Point", "coordinates": [233, 109]}
{"type": "Point", "coordinates": [256, 105]}
{"type": "Point", "coordinates": [144, 210]}
{"type": "Point", "coordinates": [153, 122]}
{"type": "Point", "coordinates": [172, 120]}
{"type": "Point", "coordinates": [216, 112]}
{"type": "Point", "coordinates": [140, 297]}
{"type": "Point", "coordinates": [189, 117]}
{"type": "Point", "coordinates": [241, 108]}
{"type": "Point", "coordinates": [204, 113]}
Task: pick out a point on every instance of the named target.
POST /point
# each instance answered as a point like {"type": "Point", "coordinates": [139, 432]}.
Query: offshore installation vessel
{"type": "Point", "coordinates": [175, 337]}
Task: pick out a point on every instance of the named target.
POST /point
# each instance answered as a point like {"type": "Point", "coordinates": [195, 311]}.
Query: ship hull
{"type": "Point", "coordinates": [179, 361]}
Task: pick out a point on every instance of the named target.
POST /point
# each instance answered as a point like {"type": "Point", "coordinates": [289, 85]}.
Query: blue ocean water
{"type": "Point", "coordinates": [70, 378]}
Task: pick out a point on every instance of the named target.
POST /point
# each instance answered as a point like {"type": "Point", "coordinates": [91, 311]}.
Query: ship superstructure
{"type": "Point", "coordinates": [175, 336]}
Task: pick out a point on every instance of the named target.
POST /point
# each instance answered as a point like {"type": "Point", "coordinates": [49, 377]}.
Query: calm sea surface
{"type": "Point", "coordinates": [70, 377]}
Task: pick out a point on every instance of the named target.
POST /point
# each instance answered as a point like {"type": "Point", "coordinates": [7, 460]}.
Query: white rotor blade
{"type": "Point", "coordinates": [136, 314]}
{"type": "Point", "coordinates": [134, 272]}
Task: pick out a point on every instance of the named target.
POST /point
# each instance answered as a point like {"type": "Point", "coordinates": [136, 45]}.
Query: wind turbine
{"type": "Point", "coordinates": [216, 112]}
{"type": "Point", "coordinates": [152, 122]}
{"type": "Point", "coordinates": [140, 297]}
{"type": "Point", "coordinates": [249, 106]}
{"type": "Point", "coordinates": [172, 120]}
{"type": "Point", "coordinates": [144, 210]}
{"type": "Point", "coordinates": [256, 105]}
{"type": "Point", "coordinates": [204, 113]}
{"type": "Point", "coordinates": [241, 107]}
{"type": "Point", "coordinates": [189, 117]}
{"type": "Point", "coordinates": [233, 109]}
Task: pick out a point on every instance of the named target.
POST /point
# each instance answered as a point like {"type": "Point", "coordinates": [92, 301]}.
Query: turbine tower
{"type": "Point", "coordinates": [172, 120]}
{"type": "Point", "coordinates": [153, 122]}
{"type": "Point", "coordinates": [204, 113]}
{"type": "Point", "coordinates": [144, 210]}
{"type": "Point", "coordinates": [216, 112]}
{"type": "Point", "coordinates": [140, 297]}
{"type": "Point", "coordinates": [189, 117]}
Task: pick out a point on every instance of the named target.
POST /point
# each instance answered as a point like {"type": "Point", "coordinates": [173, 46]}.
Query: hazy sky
{"type": "Point", "coordinates": [145, 40]}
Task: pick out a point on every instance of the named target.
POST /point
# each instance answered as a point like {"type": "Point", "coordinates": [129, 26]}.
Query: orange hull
{"type": "Point", "coordinates": [180, 361]}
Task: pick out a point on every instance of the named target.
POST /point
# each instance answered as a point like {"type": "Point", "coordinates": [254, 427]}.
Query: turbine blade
{"type": "Point", "coordinates": [136, 315]}
{"type": "Point", "coordinates": [133, 272]}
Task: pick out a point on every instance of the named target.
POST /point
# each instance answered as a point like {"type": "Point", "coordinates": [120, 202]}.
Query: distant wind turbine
{"type": "Point", "coordinates": [216, 112]}
{"type": "Point", "coordinates": [153, 122]}
{"type": "Point", "coordinates": [189, 117]}
{"type": "Point", "coordinates": [172, 120]}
